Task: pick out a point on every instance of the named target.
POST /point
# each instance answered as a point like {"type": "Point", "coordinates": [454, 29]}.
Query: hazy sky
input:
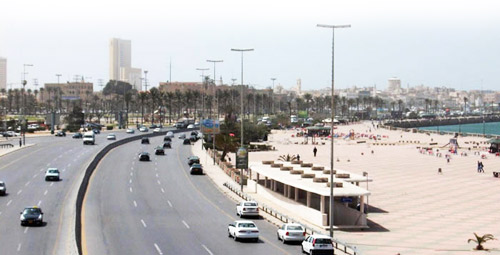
{"type": "Point", "coordinates": [431, 42]}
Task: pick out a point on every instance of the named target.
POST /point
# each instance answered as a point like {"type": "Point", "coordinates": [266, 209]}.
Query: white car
{"type": "Point", "coordinates": [52, 174]}
{"type": "Point", "coordinates": [157, 130]}
{"type": "Point", "coordinates": [111, 137]}
{"type": "Point", "coordinates": [182, 136]}
{"type": "Point", "coordinates": [130, 131]}
{"type": "Point", "coordinates": [143, 129]}
{"type": "Point", "coordinates": [170, 134]}
{"type": "Point", "coordinates": [190, 126]}
{"type": "Point", "coordinates": [243, 229]}
{"type": "Point", "coordinates": [291, 232]}
{"type": "Point", "coordinates": [12, 133]}
{"type": "Point", "coordinates": [3, 188]}
{"type": "Point", "coordinates": [247, 208]}
{"type": "Point", "coordinates": [314, 243]}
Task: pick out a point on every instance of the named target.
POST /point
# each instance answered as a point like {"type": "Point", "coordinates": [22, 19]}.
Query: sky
{"type": "Point", "coordinates": [431, 42]}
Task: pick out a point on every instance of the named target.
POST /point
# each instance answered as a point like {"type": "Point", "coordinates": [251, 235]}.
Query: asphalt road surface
{"type": "Point", "coordinates": [157, 207]}
{"type": "Point", "coordinates": [23, 171]}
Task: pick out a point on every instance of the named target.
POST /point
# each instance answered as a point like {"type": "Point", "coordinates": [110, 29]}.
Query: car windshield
{"type": "Point", "coordinates": [53, 171]}
{"type": "Point", "coordinates": [88, 136]}
{"type": "Point", "coordinates": [295, 228]}
{"type": "Point", "coordinates": [31, 211]}
{"type": "Point", "coordinates": [323, 241]}
{"type": "Point", "coordinates": [1, 184]}
{"type": "Point", "coordinates": [250, 204]}
{"type": "Point", "coordinates": [246, 225]}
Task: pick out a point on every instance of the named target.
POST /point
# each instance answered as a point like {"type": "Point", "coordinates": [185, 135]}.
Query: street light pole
{"type": "Point", "coordinates": [203, 92]}
{"type": "Point", "coordinates": [272, 96]}
{"type": "Point", "coordinates": [332, 178]}
{"type": "Point", "coordinates": [217, 103]}
{"type": "Point", "coordinates": [23, 122]}
{"type": "Point", "coordinates": [58, 76]}
{"type": "Point", "coordinates": [241, 106]}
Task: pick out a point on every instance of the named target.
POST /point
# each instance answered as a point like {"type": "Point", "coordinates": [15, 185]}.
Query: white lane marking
{"type": "Point", "coordinates": [130, 189]}
{"type": "Point", "coordinates": [156, 169]}
{"type": "Point", "coordinates": [158, 181]}
{"type": "Point", "coordinates": [64, 170]}
{"type": "Point", "coordinates": [162, 190]}
{"type": "Point", "coordinates": [169, 204]}
{"type": "Point", "coordinates": [156, 163]}
{"type": "Point", "coordinates": [45, 193]}
{"type": "Point", "coordinates": [39, 202]}
{"type": "Point", "coordinates": [130, 181]}
{"type": "Point", "coordinates": [144, 223]}
{"type": "Point", "coordinates": [135, 203]}
{"type": "Point", "coordinates": [48, 164]}
{"type": "Point", "coordinates": [185, 224]}
{"type": "Point", "coordinates": [8, 203]}
{"type": "Point", "coordinates": [133, 162]}
{"type": "Point", "coordinates": [28, 183]}
{"type": "Point", "coordinates": [74, 160]}
{"type": "Point", "coordinates": [69, 164]}
{"type": "Point", "coordinates": [19, 247]}
{"type": "Point", "coordinates": [41, 170]}
{"type": "Point", "coordinates": [131, 174]}
{"type": "Point", "coordinates": [206, 249]}
{"type": "Point", "coordinates": [34, 176]}
{"type": "Point", "coordinates": [19, 192]}
{"type": "Point", "coordinates": [156, 175]}
{"type": "Point", "coordinates": [26, 229]}
{"type": "Point", "coordinates": [132, 168]}
{"type": "Point", "coordinates": [158, 249]}
{"type": "Point", "coordinates": [51, 184]}
{"type": "Point", "coordinates": [0, 213]}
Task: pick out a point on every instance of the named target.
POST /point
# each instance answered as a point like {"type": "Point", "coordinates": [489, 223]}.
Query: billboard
{"type": "Point", "coordinates": [209, 126]}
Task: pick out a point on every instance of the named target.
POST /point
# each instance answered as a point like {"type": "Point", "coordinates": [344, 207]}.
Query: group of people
{"type": "Point", "coordinates": [480, 167]}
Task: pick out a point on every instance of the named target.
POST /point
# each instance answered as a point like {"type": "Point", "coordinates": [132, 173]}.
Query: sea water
{"type": "Point", "coordinates": [488, 128]}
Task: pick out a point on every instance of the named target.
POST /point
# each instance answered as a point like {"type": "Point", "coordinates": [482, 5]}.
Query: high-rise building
{"type": "Point", "coordinates": [394, 85]}
{"type": "Point", "coordinates": [132, 76]}
{"type": "Point", "coordinates": [3, 73]}
{"type": "Point", "coordinates": [120, 56]}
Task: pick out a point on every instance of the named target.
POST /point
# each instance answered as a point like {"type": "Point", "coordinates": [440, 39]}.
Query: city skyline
{"type": "Point", "coordinates": [450, 44]}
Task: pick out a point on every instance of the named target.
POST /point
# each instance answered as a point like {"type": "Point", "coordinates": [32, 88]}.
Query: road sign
{"type": "Point", "coordinates": [209, 126]}
{"type": "Point", "coordinates": [242, 158]}
{"type": "Point", "coordinates": [346, 200]}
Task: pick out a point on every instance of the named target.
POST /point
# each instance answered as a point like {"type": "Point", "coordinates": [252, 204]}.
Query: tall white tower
{"type": "Point", "coordinates": [394, 85]}
{"type": "Point", "coordinates": [120, 57]}
{"type": "Point", "coordinates": [3, 73]}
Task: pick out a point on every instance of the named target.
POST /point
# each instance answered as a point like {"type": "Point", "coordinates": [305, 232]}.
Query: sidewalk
{"type": "Point", "coordinates": [15, 148]}
{"type": "Point", "coordinates": [218, 177]}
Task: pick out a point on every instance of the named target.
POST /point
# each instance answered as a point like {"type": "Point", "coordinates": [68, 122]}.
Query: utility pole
{"type": "Point", "coordinates": [23, 121]}
{"type": "Point", "coordinates": [170, 71]}
{"type": "Point", "coordinates": [204, 90]}
{"type": "Point", "coordinates": [216, 103]}
{"type": "Point", "coordinates": [332, 176]}
{"type": "Point", "coordinates": [272, 96]}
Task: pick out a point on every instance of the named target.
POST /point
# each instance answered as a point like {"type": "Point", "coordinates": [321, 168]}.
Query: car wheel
{"type": "Point", "coordinates": [303, 251]}
{"type": "Point", "coordinates": [256, 240]}
{"type": "Point", "coordinates": [283, 240]}
{"type": "Point", "coordinates": [278, 236]}
{"type": "Point", "coordinates": [229, 234]}
{"type": "Point", "coordinates": [235, 238]}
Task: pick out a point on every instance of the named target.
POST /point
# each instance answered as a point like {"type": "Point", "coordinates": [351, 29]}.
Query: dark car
{"type": "Point", "coordinates": [194, 133]}
{"type": "Point", "coordinates": [159, 151]}
{"type": "Point", "coordinates": [144, 156]}
{"type": "Point", "coordinates": [78, 135]}
{"type": "Point", "coordinates": [193, 160]}
{"type": "Point", "coordinates": [153, 126]}
{"type": "Point", "coordinates": [167, 145]}
{"type": "Point", "coordinates": [145, 140]}
{"type": "Point", "coordinates": [96, 131]}
{"type": "Point", "coordinates": [193, 138]}
{"type": "Point", "coordinates": [196, 169]}
{"type": "Point", "coordinates": [187, 141]}
{"type": "Point", "coordinates": [31, 215]}
{"type": "Point", "coordinates": [61, 133]}
{"type": "Point", "coordinates": [167, 139]}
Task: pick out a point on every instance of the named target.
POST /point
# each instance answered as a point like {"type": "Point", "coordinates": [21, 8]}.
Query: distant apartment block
{"type": "Point", "coordinates": [68, 91]}
{"type": "Point", "coordinates": [3, 73]}
{"type": "Point", "coordinates": [394, 85]}
{"type": "Point", "coordinates": [120, 63]}
{"type": "Point", "coordinates": [132, 76]}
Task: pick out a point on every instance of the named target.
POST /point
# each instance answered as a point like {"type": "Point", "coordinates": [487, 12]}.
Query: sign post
{"type": "Point", "coordinates": [242, 162]}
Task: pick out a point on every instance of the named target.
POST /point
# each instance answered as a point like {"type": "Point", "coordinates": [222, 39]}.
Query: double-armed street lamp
{"type": "Point", "coordinates": [272, 96]}
{"type": "Point", "coordinates": [332, 179]}
{"type": "Point", "coordinates": [23, 121]}
{"type": "Point", "coordinates": [216, 104]}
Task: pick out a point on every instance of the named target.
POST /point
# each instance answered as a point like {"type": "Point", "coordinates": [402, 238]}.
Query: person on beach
{"type": "Point", "coordinates": [440, 171]}
{"type": "Point", "coordinates": [315, 150]}
{"type": "Point", "coordinates": [478, 166]}
{"type": "Point", "coordinates": [298, 157]}
{"type": "Point", "coordinates": [481, 167]}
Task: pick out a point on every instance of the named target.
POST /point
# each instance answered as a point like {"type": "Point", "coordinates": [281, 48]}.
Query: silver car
{"type": "Point", "coordinates": [3, 188]}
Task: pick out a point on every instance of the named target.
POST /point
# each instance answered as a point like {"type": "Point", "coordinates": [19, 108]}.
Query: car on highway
{"type": "Point", "coordinates": [3, 188]}
{"type": "Point", "coordinates": [193, 138]}
{"type": "Point", "coordinates": [10, 134]}
{"type": "Point", "coordinates": [153, 126]}
{"type": "Point", "coordinates": [159, 151]}
{"type": "Point", "coordinates": [111, 137]}
{"type": "Point", "coordinates": [170, 134]}
{"type": "Point", "coordinates": [291, 232]}
{"type": "Point", "coordinates": [167, 145]}
{"type": "Point", "coordinates": [145, 140]}
{"type": "Point", "coordinates": [77, 135]}
{"type": "Point", "coordinates": [96, 131]}
{"type": "Point", "coordinates": [243, 229]}
{"type": "Point", "coordinates": [31, 215]}
{"type": "Point", "coordinates": [317, 244]}
{"type": "Point", "coordinates": [196, 169]}
{"type": "Point", "coordinates": [247, 208]}
{"type": "Point", "coordinates": [157, 130]}
{"type": "Point", "coordinates": [190, 126]}
{"type": "Point", "coordinates": [61, 133]}
{"type": "Point", "coordinates": [193, 160]}
{"type": "Point", "coordinates": [167, 139]}
{"type": "Point", "coordinates": [143, 129]}
{"type": "Point", "coordinates": [89, 138]}
{"type": "Point", "coordinates": [52, 174]}
{"type": "Point", "coordinates": [130, 131]}
{"type": "Point", "coordinates": [144, 156]}
{"type": "Point", "coordinates": [187, 141]}
{"type": "Point", "coordinates": [182, 136]}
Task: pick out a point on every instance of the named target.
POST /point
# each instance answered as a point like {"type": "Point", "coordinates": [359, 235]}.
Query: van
{"type": "Point", "coordinates": [89, 138]}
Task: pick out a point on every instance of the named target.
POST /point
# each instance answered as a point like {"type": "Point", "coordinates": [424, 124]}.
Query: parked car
{"type": "Point", "coordinates": [186, 141]}
{"type": "Point", "coordinates": [247, 208]}
{"type": "Point", "coordinates": [145, 140]}
{"type": "Point", "coordinates": [167, 145]}
{"type": "Point", "coordinates": [291, 232]}
{"type": "Point", "coordinates": [193, 160]}
{"type": "Point", "coordinates": [196, 169]}
{"type": "Point", "coordinates": [77, 135]}
{"type": "Point", "coordinates": [317, 244]}
{"type": "Point", "coordinates": [159, 151]}
{"type": "Point", "coordinates": [61, 133]}
{"type": "Point", "coordinates": [31, 215]}
{"type": "Point", "coordinates": [130, 131]}
{"type": "Point", "coordinates": [52, 174]}
{"type": "Point", "coordinates": [144, 156]}
{"type": "Point", "coordinates": [243, 229]}
{"type": "Point", "coordinates": [111, 137]}
{"type": "Point", "coordinates": [3, 188]}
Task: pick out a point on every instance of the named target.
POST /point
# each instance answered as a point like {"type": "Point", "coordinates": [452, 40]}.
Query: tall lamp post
{"type": "Point", "coordinates": [217, 104]}
{"type": "Point", "coordinates": [272, 96]}
{"type": "Point", "coordinates": [332, 179]}
{"type": "Point", "coordinates": [23, 122]}
{"type": "Point", "coordinates": [241, 105]}
{"type": "Point", "coordinates": [203, 86]}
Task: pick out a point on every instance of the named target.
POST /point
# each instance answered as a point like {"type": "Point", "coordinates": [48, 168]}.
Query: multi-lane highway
{"type": "Point", "coordinates": [156, 207]}
{"type": "Point", "coordinates": [23, 172]}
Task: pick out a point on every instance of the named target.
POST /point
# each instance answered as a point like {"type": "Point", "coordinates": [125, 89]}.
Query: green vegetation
{"type": "Point", "coordinates": [480, 240]}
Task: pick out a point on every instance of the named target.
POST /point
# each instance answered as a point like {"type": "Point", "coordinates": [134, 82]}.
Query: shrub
{"type": "Point", "coordinates": [109, 127]}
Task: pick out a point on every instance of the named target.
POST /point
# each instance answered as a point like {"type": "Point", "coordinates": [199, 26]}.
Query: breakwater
{"type": "Point", "coordinates": [417, 123]}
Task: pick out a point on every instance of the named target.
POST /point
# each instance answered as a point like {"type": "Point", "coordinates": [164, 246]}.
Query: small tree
{"type": "Point", "coordinates": [287, 157]}
{"type": "Point", "coordinates": [481, 239]}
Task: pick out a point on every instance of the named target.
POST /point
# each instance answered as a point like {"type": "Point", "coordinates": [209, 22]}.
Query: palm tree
{"type": "Point", "coordinates": [400, 102]}
{"type": "Point", "coordinates": [308, 98]}
{"type": "Point", "coordinates": [480, 240]}
{"type": "Point", "coordinates": [143, 96]}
